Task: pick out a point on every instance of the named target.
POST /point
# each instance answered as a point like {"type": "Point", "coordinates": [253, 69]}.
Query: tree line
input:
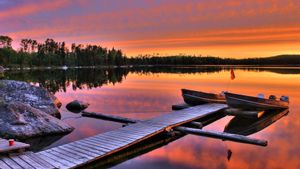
{"type": "Point", "coordinates": [52, 53]}
{"type": "Point", "coordinates": [211, 60]}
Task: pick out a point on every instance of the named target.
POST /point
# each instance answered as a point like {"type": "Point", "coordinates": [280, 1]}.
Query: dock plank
{"type": "Point", "coordinates": [74, 151]}
{"type": "Point", "coordinates": [58, 161]}
{"type": "Point", "coordinates": [39, 160]}
{"type": "Point", "coordinates": [4, 165]}
{"type": "Point", "coordinates": [32, 162]}
{"type": "Point", "coordinates": [11, 163]}
{"type": "Point", "coordinates": [71, 160]}
{"type": "Point", "coordinates": [103, 144]}
{"type": "Point", "coordinates": [21, 162]}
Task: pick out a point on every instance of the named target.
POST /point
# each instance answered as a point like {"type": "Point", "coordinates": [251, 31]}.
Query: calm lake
{"type": "Point", "coordinates": [143, 93]}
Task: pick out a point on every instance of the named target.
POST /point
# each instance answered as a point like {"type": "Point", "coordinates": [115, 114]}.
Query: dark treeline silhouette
{"type": "Point", "coordinates": [210, 60]}
{"type": "Point", "coordinates": [52, 53]}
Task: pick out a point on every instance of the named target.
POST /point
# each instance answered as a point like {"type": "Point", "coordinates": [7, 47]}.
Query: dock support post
{"type": "Point", "coordinates": [223, 136]}
{"type": "Point", "coordinates": [108, 117]}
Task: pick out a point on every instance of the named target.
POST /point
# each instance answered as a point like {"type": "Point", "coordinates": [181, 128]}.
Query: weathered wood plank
{"type": "Point", "coordinates": [11, 163]}
{"type": "Point", "coordinates": [32, 162]}
{"type": "Point", "coordinates": [74, 158]}
{"type": "Point", "coordinates": [118, 137]}
{"type": "Point", "coordinates": [125, 135]}
{"type": "Point", "coordinates": [3, 165]}
{"type": "Point", "coordinates": [90, 151]}
{"type": "Point", "coordinates": [53, 162]}
{"type": "Point", "coordinates": [64, 157]}
{"type": "Point", "coordinates": [135, 132]}
{"type": "Point", "coordinates": [54, 159]}
{"type": "Point", "coordinates": [75, 151]}
{"type": "Point", "coordinates": [103, 144]}
{"type": "Point", "coordinates": [39, 160]}
{"type": "Point", "coordinates": [59, 158]}
{"type": "Point", "coordinates": [21, 162]}
{"type": "Point", "coordinates": [89, 144]}
{"type": "Point", "coordinates": [92, 154]}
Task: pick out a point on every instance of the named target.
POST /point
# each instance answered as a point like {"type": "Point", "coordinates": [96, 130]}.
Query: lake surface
{"type": "Point", "coordinates": [143, 93]}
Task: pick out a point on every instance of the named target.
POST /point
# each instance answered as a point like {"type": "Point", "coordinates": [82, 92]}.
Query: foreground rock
{"type": "Point", "coordinates": [37, 97]}
{"type": "Point", "coordinates": [21, 121]}
{"type": "Point", "coordinates": [1, 69]}
{"type": "Point", "coordinates": [1, 72]}
{"type": "Point", "coordinates": [77, 106]}
{"type": "Point", "coordinates": [56, 101]}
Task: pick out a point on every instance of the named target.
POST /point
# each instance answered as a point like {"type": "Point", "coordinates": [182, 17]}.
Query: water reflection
{"type": "Point", "coordinates": [56, 80]}
{"type": "Point", "coordinates": [246, 126]}
{"type": "Point", "coordinates": [143, 93]}
{"type": "Point", "coordinates": [39, 143]}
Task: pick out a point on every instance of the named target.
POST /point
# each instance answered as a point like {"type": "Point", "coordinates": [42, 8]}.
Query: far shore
{"type": "Point", "coordinates": [132, 66]}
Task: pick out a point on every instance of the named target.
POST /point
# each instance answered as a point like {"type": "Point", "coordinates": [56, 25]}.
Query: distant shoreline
{"type": "Point", "coordinates": [135, 66]}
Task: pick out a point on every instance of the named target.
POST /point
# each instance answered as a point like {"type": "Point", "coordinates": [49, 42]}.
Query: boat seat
{"type": "Point", "coordinates": [272, 97]}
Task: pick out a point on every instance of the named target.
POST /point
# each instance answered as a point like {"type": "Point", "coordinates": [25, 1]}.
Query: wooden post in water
{"type": "Point", "coordinates": [223, 136]}
{"type": "Point", "coordinates": [108, 117]}
{"type": "Point", "coordinates": [196, 124]}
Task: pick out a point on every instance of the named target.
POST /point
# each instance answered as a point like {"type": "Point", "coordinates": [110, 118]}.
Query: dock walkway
{"type": "Point", "coordinates": [85, 151]}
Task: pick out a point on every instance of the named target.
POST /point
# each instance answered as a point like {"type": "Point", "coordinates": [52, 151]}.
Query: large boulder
{"type": "Point", "coordinates": [21, 121]}
{"type": "Point", "coordinates": [37, 97]}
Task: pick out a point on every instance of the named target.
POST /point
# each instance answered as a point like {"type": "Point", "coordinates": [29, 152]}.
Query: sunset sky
{"type": "Point", "coordinates": [225, 28]}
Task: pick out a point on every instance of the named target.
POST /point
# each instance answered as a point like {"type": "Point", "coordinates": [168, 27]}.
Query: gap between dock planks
{"type": "Point", "coordinates": [85, 151]}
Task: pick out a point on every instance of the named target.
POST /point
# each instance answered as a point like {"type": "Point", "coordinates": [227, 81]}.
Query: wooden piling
{"type": "Point", "coordinates": [221, 135]}
{"type": "Point", "coordinates": [108, 117]}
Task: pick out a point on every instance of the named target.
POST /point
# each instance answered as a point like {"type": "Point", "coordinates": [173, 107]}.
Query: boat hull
{"type": "Point", "coordinates": [196, 98]}
{"type": "Point", "coordinates": [253, 103]}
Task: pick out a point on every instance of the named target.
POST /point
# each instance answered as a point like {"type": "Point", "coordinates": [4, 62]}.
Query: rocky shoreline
{"type": "Point", "coordinates": [28, 111]}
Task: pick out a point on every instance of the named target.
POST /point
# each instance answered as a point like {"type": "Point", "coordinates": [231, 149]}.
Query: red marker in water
{"type": "Point", "coordinates": [232, 77]}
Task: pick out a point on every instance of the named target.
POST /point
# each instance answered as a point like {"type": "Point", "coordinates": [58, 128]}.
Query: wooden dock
{"type": "Point", "coordinates": [85, 151]}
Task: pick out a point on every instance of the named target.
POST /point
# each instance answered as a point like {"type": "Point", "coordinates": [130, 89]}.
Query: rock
{"type": "Point", "coordinates": [21, 121]}
{"type": "Point", "coordinates": [77, 106]}
{"type": "Point", "coordinates": [1, 69]}
{"type": "Point", "coordinates": [37, 97]}
{"type": "Point", "coordinates": [56, 101]}
{"type": "Point", "coordinates": [1, 72]}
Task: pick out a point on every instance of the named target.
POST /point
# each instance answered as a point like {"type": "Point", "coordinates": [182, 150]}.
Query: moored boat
{"type": "Point", "coordinates": [193, 97]}
{"type": "Point", "coordinates": [255, 103]}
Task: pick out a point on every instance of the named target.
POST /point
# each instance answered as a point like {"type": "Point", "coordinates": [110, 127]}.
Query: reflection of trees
{"type": "Point", "coordinates": [58, 80]}
{"type": "Point", "coordinates": [174, 69]}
